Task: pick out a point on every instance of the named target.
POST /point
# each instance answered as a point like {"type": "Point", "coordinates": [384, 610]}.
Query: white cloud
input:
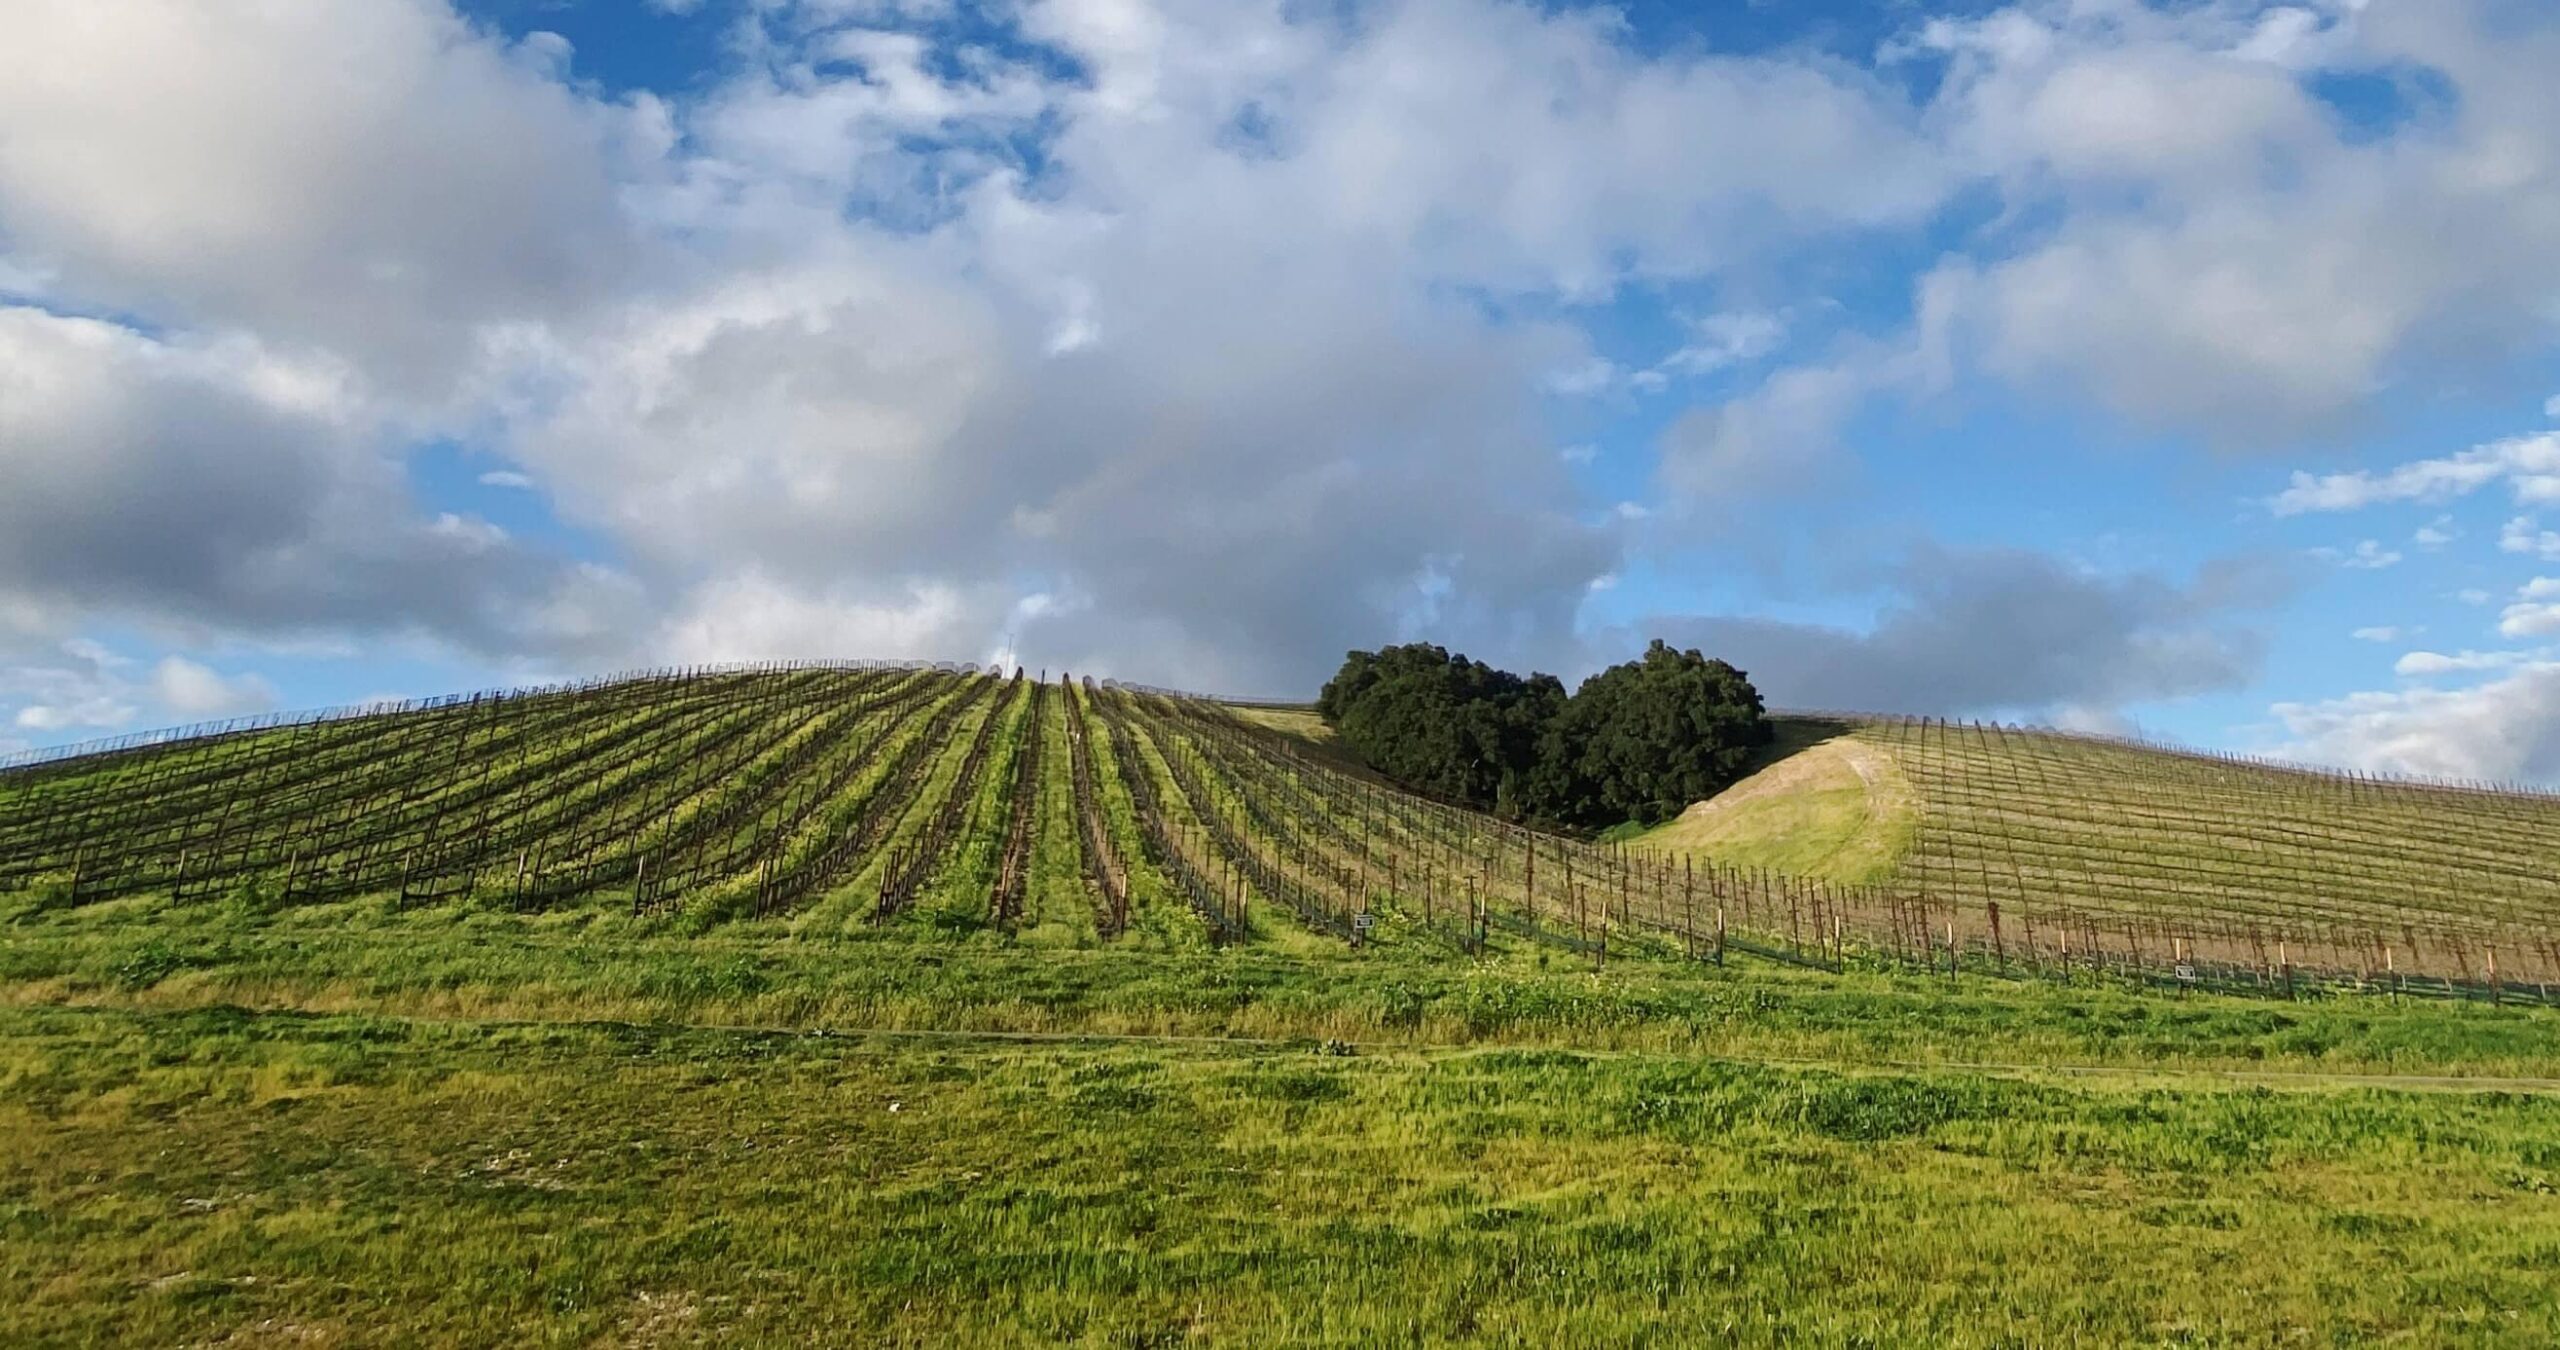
{"type": "Point", "coordinates": [192, 692]}
{"type": "Point", "coordinates": [2535, 612]}
{"type": "Point", "coordinates": [1781, 437]}
{"type": "Point", "coordinates": [2525, 535]}
{"type": "Point", "coordinates": [2376, 634]}
{"type": "Point", "coordinates": [2529, 465]}
{"type": "Point", "coordinates": [1251, 338]}
{"type": "Point", "coordinates": [2368, 555]}
{"type": "Point", "coordinates": [82, 686]}
{"type": "Point", "coordinates": [2438, 663]}
{"type": "Point", "coordinates": [2227, 255]}
{"type": "Point", "coordinates": [387, 218]}
{"type": "Point", "coordinates": [2551, 408]}
{"type": "Point", "coordinates": [48, 717]}
{"type": "Point", "coordinates": [2005, 632]}
{"type": "Point", "coordinates": [752, 618]}
{"type": "Point", "coordinates": [506, 478]}
{"type": "Point", "coordinates": [2473, 595]}
{"type": "Point", "coordinates": [2507, 729]}
{"type": "Point", "coordinates": [1597, 375]}
{"type": "Point", "coordinates": [1722, 340]}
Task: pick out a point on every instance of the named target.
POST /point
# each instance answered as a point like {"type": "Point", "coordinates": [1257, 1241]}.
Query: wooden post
{"type": "Point", "coordinates": [1689, 906]}
{"type": "Point", "coordinates": [1529, 887]}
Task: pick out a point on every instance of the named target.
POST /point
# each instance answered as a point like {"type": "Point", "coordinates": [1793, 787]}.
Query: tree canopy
{"type": "Point", "coordinates": [1443, 724]}
{"type": "Point", "coordinates": [1638, 741]}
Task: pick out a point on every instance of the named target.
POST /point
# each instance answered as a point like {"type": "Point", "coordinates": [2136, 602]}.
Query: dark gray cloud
{"type": "Point", "coordinates": [219, 488]}
{"type": "Point", "coordinates": [1970, 633]}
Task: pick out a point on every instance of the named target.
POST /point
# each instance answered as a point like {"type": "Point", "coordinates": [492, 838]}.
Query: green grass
{"type": "Point", "coordinates": [342, 1125]}
{"type": "Point", "coordinates": [229, 1119]}
{"type": "Point", "coordinates": [214, 1174]}
{"type": "Point", "coordinates": [1817, 804]}
{"type": "Point", "coordinates": [917, 976]}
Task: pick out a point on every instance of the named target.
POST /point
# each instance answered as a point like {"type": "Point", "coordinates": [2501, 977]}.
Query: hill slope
{"type": "Point", "coordinates": [818, 1005]}
{"type": "Point", "coordinates": [2108, 833]}
{"type": "Point", "coordinates": [851, 796]}
{"type": "Point", "coordinates": [829, 796]}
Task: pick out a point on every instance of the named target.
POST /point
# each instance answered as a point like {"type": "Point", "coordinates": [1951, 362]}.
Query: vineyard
{"type": "Point", "coordinates": [854, 796]}
{"type": "Point", "coordinates": [2043, 848]}
{"type": "Point", "coordinates": [908, 1005]}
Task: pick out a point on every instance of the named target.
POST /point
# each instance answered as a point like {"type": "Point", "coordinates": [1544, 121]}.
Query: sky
{"type": "Point", "coordinates": [2188, 370]}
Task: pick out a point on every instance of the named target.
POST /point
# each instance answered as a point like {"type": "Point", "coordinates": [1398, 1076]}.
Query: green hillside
{"type": "Point", "coordinates": [843, 798]}
{"type": "Point", "coordinates": [2127, 845]}
{"type": "Point", "coordinates": [886, 1005]}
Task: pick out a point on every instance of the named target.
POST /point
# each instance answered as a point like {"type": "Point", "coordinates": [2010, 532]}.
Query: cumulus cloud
{"type": "Point", "coordinates": [1275, 431]}
{"type": "Point", "coordinates": [196, 691]}
{"type": "Point", "coordinates": [1233, 322]}
{"type": "Point", "coordinates": [216, 485]}
{"type": "Point", "coordinates": [2007, 632]}
{"type": "Point", "coordinates": [2229, 256]}
{"type": "Point", "coordinates": [2525, 535]}
{"type": "Point", "coordinates": [2528, 465]}
{"type": "Point", "coordinates": [1780, 438]}
{"type": "Point", "coordinates": [2535, 611]}
{"type": "Point", "coordinates": [82, 686]}
{"type": "Point", "coordinates": [2506, 729]}
{"type": "Point", "coordinates": [390, 217]}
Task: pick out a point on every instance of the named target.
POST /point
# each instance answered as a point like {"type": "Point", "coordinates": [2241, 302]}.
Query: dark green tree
{"type": "Point", "coordinates": [1639, 741]}
{"type": "Point", "coordinates": [1457, 729]}
{"type": "Point", "coordinates": [1642, 740]}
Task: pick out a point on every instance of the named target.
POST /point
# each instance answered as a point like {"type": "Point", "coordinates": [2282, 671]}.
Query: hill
{"type": "Point", "coordinates": [847, 795]}
{"type": "Point", "coordinates": [929, 1006]}
{"type": "Point", "coordinates": [809, 796]}
{"type": "Point", "coordinates": [2137, 843]}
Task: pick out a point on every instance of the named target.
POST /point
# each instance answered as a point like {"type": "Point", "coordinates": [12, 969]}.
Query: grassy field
{"type": "Point", "coordinates": [1821, 804]}
{"type": "Point", "coordinates": [364, 1128]}
{"type": "Point", "coordinates": [703, 1011]}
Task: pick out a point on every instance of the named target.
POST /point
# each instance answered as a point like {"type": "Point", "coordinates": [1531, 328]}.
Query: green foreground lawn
{"type": "Point", "coordinates": [477, 1130]}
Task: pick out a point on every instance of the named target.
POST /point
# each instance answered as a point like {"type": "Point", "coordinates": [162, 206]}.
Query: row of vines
{"type": "Point", "coordinates": [871, 793]}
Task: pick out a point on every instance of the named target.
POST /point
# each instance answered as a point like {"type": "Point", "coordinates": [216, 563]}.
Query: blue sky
{"type": "Point", "coordinates": [2183, 369]}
